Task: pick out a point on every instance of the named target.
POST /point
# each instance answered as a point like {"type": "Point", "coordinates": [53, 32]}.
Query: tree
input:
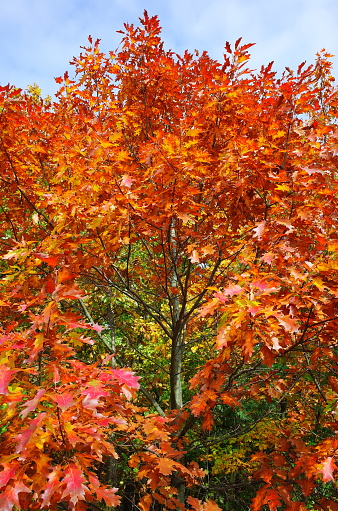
{"type": "Point", "coordinates": [174, 217]}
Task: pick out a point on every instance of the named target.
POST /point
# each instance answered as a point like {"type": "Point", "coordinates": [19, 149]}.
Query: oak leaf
{"type": "Point", "coordinates": [166, 466]}
{"type": "Point", "coordinates": [333, 382]}
{"type": "Point", "coordinates": [27, 434]}
{"type": "Point", "coordinates": [328, 466]}
{"type": "Point", "coordinates": [288, 323]}
{"type": "Point", "coordinates": [50, 260]}
{"type": "Point", "coordinates": [259, 230]}
{"type": "Point", "coordinates": [64, 400]}
{"type": "Point", "coordinates": [126, 378]}
{"type": "Point", "coordinates": [211, 505]}
{"type": "Point", "coordinates": [10, 496]}
{"type": "Point", "coordinates": [6, 375]}
{"type": "Point", "coordinates": [109, 496]}
{"type": "Point", "coordinates": [52, 487]}
{"type": "Point", "coordinates": [145, 503]}
{"type": "Point", "coordinates": [232, 290]}
{"type": "Point", "coordinates": [8, 472]}
{"type": "Point", "coordinates": [126, 181]}
{"type": "Point", "coordinates": [74, 479]}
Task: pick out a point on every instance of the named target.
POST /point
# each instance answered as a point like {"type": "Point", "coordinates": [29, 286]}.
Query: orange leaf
{"type": "Point", "coordinates": [166, 466]}
{"type": "Point", "coordinates": [145, 503]}
{"type": "Point", "coordinates": [211, 505]}
{"type": "Point", "coordinates": [288, 323]}
{"type": "Point", "coordinates": [229, 400]}
{"type": "Point", "coordinates": [333, 382]}
{"type": "Point", "coordinates": [50, 260]}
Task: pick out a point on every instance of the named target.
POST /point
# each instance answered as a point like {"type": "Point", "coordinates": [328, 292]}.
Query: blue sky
{"type": "Point", "coordinates": [40, 37]}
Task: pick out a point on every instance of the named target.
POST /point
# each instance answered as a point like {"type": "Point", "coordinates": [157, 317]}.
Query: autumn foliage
{"type": "Point", "coordinates": [169, 284]}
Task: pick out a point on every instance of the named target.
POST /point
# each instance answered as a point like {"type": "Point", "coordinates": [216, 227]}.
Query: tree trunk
{"type": "Point", "coordinates": [177, 341]}
{"type": "Point", "coordinates": [177, 349]}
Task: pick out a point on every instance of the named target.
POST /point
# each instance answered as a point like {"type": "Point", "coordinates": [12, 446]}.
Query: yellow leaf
{"type": "Point", "coordinates": [115, 136]}
{"type": "Point", "coordinates": [283, 188]}
{"type": "Point", "coordinates": [42, 439]}
{"type": "Point", "coordinates": [106, 144]}
{"type": "Point", "coordinates": [333, 246]}
{"type": "Point", "coordinates": [192, 133]}
{"type": "Point", "coordinates": [96, 222]}
{"type": "Point", "coordinates": [317, 281]}
{"type": "Point", "coordinates": [279, 134]}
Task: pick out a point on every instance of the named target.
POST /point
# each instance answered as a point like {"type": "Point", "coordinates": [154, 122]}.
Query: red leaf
{"type": "Point", "coordinates": [64, 400]}
{"type": "Point", "coordinates": [6, 375]}
{"type": "Point", "coordinates": [254, 310]}
{"type": "Point", "coordinates": [72, 437]}
{"type": "Point", "coordinates": [70, 292]}
{"type": "Point", "coordinates": [92, 394]}
{"type": "Point", "coordinates": [10, 496]}
{"type": "Point", "coordinates": [237, 43]}
{"type": "Point", "coordinates": [266, 495]}
{"type": "Point", "coordinates": [8, 472]}
{"type": "Point", "coordinates": [97, 327]}
{"type": "Point", "coordinates": [275, 344]}
{"type": "Point", "coordinates": [246, 46]}
{"type": "Point", "coordinates": [30, 405]}
{"type": "Point", "coordinates": [221, 297]}
{"type": "Point", "coordinates": [52, 487]}
{"type": "Point", "coordinates": [261, 284]}
{"type": "Point", "coordinates": [50, 285]}
{"type": "Point", "coordinates": [74, 480]}
{"type": "Point", "coordinates": [56, 374]}
{"type": "Point", "coordinates": [26, 435]}
{"type": "Point", "coordinates": [197, 505]}
{"type": "Point", "coordinates": [306, 485]}
{"type": "Point", "coordinates": [126, 378]}
{"type": "Point", "coordinates": [228, 47]}
{"type": "Point", "coordinates": [231, 290]}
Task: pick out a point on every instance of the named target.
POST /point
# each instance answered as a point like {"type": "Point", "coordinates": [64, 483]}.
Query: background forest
{"type": "Point", "coordinates": [169, 284]}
